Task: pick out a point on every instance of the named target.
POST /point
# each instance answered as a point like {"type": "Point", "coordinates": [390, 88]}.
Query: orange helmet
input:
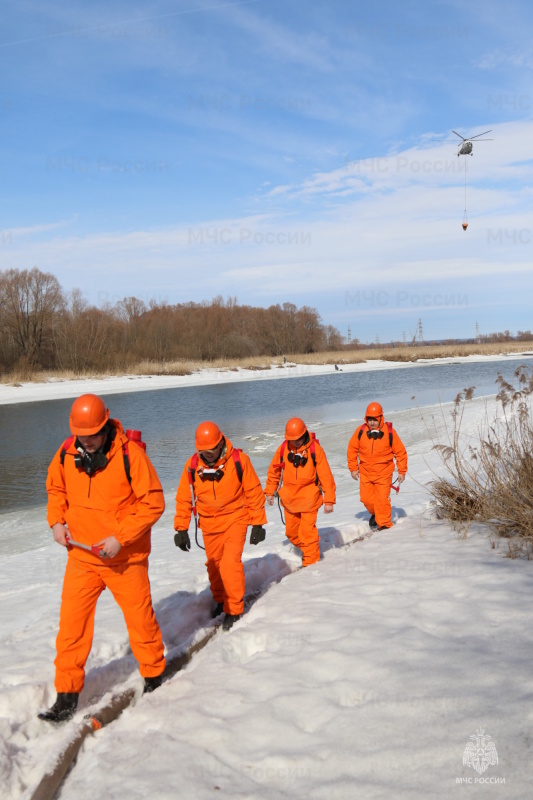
{"type": "Point", "coordinates": [374, 410]}
{"type": "Point", "coordinates": [295, 429]}
{"type": "Point", "coordinates": [88, 415]}
{"type": "Point", "coordinates": [207, 436]}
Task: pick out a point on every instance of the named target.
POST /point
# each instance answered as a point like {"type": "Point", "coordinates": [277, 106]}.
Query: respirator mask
{"type": "Point", "coordinates": [298, 459]}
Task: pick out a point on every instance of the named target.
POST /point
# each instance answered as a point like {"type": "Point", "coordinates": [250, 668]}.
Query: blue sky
{"type": "Point", "coordinates": [275, 151]}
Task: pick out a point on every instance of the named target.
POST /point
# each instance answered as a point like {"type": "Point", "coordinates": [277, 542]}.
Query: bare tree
{"type": "Point", "coordinates": [81, 334]}
{"type": "Point", "coordinates": [29, 303]}
{"type": "Point", "coordinates": [39, 327]}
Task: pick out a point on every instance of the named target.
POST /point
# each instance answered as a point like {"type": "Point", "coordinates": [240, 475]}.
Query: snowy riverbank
{"type": "Point", "coordinates": [54, 388]}
{"type": "Point", "coordinates": [363, 676]}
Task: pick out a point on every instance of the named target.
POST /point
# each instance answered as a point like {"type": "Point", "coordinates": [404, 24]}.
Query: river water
{"type": "Point", "coordinates": [251, 414]}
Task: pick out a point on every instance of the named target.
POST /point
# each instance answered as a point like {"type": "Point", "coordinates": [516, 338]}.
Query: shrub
{"type": "Point", "coordinates": [491, 481]}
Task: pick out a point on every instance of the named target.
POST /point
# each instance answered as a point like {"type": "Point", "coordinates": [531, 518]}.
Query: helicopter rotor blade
{"type": "Point", "coordinates": [480, 134]}
{"type": "Point", "coordinates": [459, 135]}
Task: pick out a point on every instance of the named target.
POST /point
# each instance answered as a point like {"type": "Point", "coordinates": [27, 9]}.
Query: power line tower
{"type": "Point", "coordinates": [418, 338]}
{"type": "Point", "coordinates": [349, 336]}
{"type": "Point", "coordinates": [478, 336]}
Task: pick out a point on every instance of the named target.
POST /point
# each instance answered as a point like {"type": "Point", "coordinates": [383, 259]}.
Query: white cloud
{"type": "Point", "coordinates": [386, 219]}
{"type": "Point", "coordinates": [507, 56]}
{"type": "Point", "coordinates": [34, 230]}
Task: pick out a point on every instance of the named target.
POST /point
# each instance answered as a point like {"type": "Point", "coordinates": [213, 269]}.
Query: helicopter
{"type": "Point", "coordinates": [465, 149]}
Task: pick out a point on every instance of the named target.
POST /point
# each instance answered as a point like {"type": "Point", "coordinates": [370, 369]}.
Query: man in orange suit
{"type": "Point", "coordinates": [220, 483]}
{"type": "Point", "coordinates": [300, 474]}
{"type": "Point", "coordinates": [372, 451]}
{"type": "Point", "coordinates": [103, 498]}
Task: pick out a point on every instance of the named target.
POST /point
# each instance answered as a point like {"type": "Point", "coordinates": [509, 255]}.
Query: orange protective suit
{"type": "Point", "coordinates": [374, 459]}
{"type": "Point", "coordinates": [225, 509]}
{"type": "Point", "coordinates": [304, 489]}
{"type": "Point", "coordinates": [95, 507]}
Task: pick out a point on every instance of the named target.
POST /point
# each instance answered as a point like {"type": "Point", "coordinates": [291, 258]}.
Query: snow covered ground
{"type": "Point", "coordinates": [364, 676]}
{"type": "Point", "coordinates": [58, 388]}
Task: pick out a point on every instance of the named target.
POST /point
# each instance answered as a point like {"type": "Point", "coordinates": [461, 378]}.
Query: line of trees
{"type": "Point", "coordinates": [44, 327]}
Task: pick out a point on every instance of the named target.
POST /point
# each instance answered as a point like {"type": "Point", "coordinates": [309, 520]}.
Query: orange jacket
{"type": "Point", "coordinates": [374, 458]}
{"type": "Point", "coordinates": [105, 504]}
{"type": "Point", "coordinates": [224, 502]}
{"type": "Point", "coordinates": [299, 490]}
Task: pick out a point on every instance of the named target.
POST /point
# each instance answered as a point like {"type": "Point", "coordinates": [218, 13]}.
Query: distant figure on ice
{"type": "Point", "coordinates": [337, 368]}
{"type": "Point", "coordinates": [372, 451]}
{"type": "Point", "coordinates": [301, 471]}
{"type": "Point", "coordinates": [220, 481]}
{"type": "Point", "coordinates": [103, 498]}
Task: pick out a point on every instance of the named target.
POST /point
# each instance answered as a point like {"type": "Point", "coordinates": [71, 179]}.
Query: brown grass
{"type": "Point", "coordinates": [187, 367]}
{"type": "Point", "coordinates": [491, 481]}
{"type": "Point", "coordinates": [413, 353]}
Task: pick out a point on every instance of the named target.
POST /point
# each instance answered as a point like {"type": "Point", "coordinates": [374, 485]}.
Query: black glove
{"type": "Point", "coordinates": [257, 535]}
{"type": "Point", "coordinates": [181, 540]}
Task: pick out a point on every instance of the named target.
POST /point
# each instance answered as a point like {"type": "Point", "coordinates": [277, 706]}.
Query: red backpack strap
{"type": "Point", "coordinates": [65, 446]}
{"type": "Point", "coordinates": [388, 424]}
{"type": "Point", "coordinates": [281, 452]}
{"type": "Point", "coordinates": [133, 436]}
{"type": "Point", "coordinates": [313, 453]}
{"type": "Point", "coordinates": [191, 473]}
{"type": "Point", "coordinates": [235, 454]}
{"type": "Point", "coordinates": [312, 450]}
{"type": "Point", "coordinates": [125, 455]}
{"type": "Point", "coordinates": [236, 459]}
{"type": "Point", "coordinates": [192, 468]}
{"type": "Point", "coordinates": [126, 458]}
{"type": "Point", "coordinates": [281, 464]}
{"type": "Point", "coordinates": [312, 447]}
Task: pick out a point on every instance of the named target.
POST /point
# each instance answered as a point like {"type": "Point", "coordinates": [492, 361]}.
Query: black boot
{"type": "Point", "coordinates": [372, 522]}
{"type": "Point", "coordinates": [151, 684]}
{"type": "Point", "coordinates": [63, 708]}
{"type": "Point", "coordinates": [229, 621]}
{"type": "Point", "coordinates": [218, 609]}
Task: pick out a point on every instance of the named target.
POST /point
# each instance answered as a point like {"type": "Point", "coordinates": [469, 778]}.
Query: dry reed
{"type": "Point", "coordinates": [358, 356]}
{"type": "Point", "coordinates": [491, 480]}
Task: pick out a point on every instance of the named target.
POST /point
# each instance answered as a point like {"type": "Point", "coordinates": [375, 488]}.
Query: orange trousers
{"type": "Point", "coordinates": [224, 566]}
{"type": "Point", "coordinates": [375, 496]}
{"type": "Point", "coordinates": [301, 530]}
{"type": "Point", "coordinates": [82, 586]}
